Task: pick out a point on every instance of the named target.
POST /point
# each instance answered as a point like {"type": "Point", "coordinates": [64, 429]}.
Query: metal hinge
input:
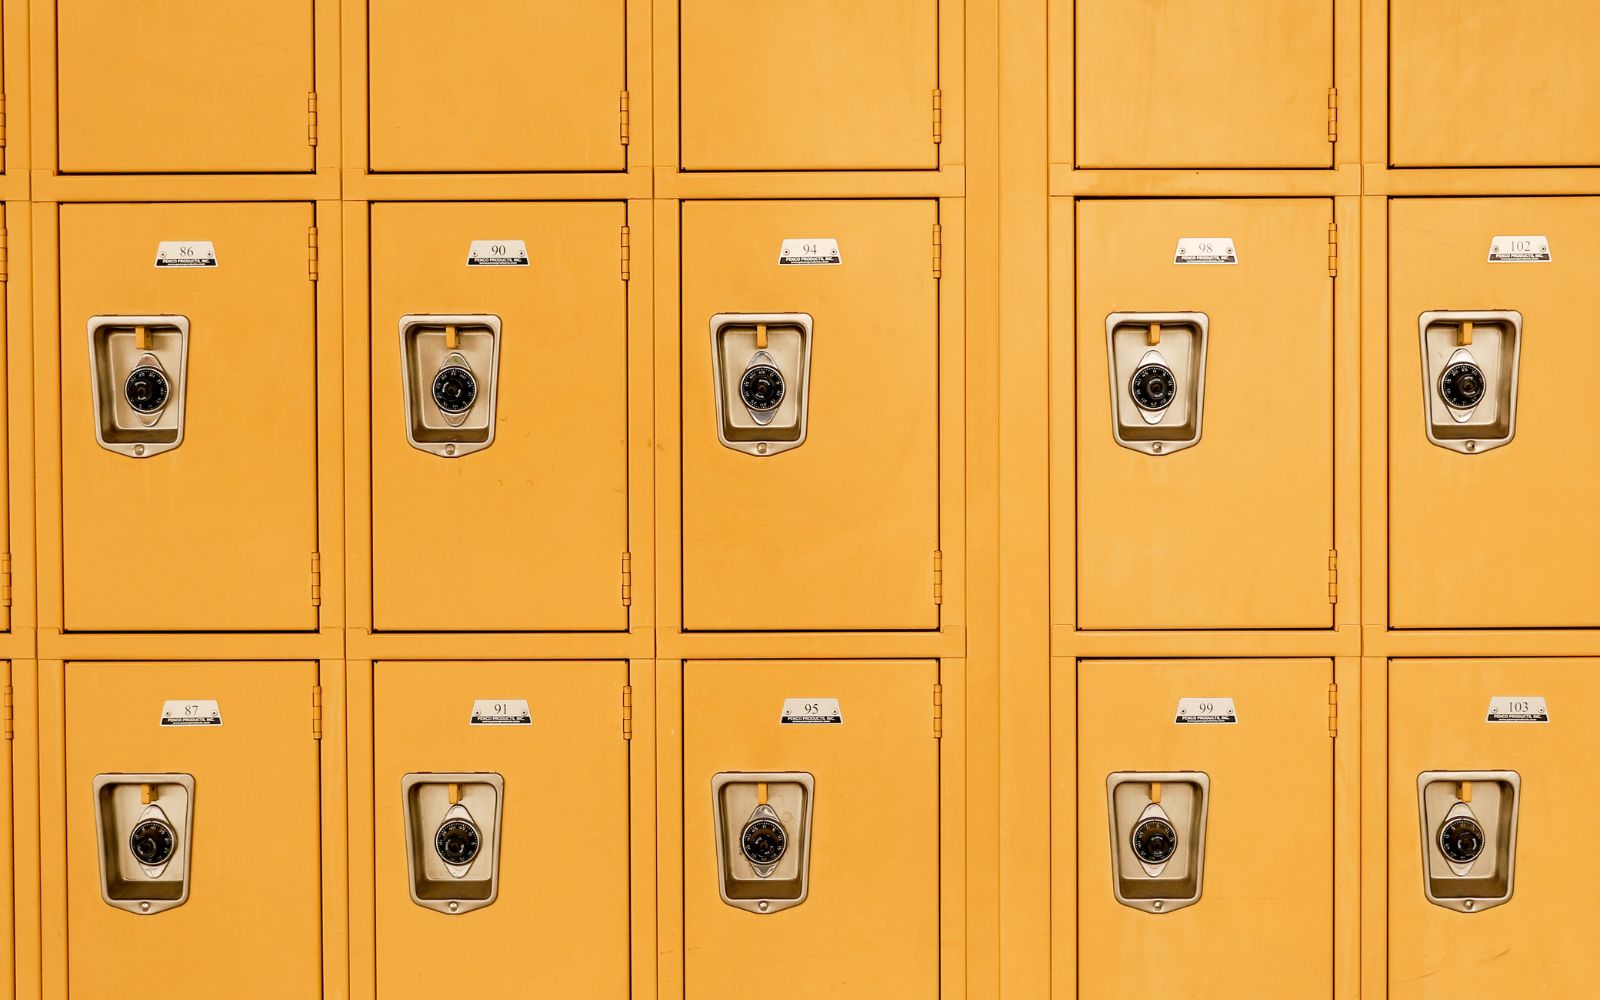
{"type": "Point", "coordinates": [622, 116]}
{"type": "Point", "coordinates": [938, 116]}
{"type": "Point", "coordinates": [627, 579]}
{"type": "Point", "coordinates": [7, 720]}
{"type": "Point", "coordinates": [938, 251]}
{"type": "Point", "coordinates": [5, 579]}
{"type": "Point", "coordinates": [938, 711]}
{"type": "Point", "coordinates": [938, 577]}
{"type": "Point", "coordinates": [1333, 249]}
{"type": "Point", "coordinates": [2, 119]}
{"type": "Point", "coordinates": [311, 118]}
{"type": "Point", "coordinates": [627, 711]}
{"type": "Point", "coordinates": [1333, 576]}
{"type": "Point", "coordinates": [316, 712]}
{"type": "Point", "coordinates": [1333, 711]}
{"type": "Point", "coordinates": [627, 254]}
{"type": "Point", "coordinates": [311, 253]}
{"type": "Point", "coordinates": [316, 579]}
{"type": "Point", "coordinates": [1333, 114]}
{"type": "Point", "coordinates": [5, 256]}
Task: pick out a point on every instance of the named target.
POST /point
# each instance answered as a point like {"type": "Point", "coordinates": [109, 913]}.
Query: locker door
{"type": "Point", "coordinates": [1253, 498]}
{"type": "Point", "coordinates": [250, 927]}
{"type": "Point", "coordinates": [560, 918]}
{"type": "Point", "coordinates": [839, 532]}
{"type": "Point", "coordinates": [1537, 943]}
{"type": "Point", "coordinates": [1493, 83]}
{"type": "Point", "coordinates": [828, 85]}
{"type": "Point", "coordinates": [216, 533]}
{"type": "Point", "coordinates": [1263, 925]}
{"type": "Point", "coordinates": [528, 533]}
{"type": "Point", "coordinates": [510, 85]}
{"type": "Point", "coordinates": [1183, 83]}
{"type": "Point", "coordinates": [1504, 538]}
{"type": "Point", "coordinates": [869, 926]}
{"type": "Point", "coordinates": [165, 86]}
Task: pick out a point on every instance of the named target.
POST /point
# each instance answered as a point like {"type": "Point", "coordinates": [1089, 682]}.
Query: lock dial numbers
{"type": "Point", "coordinates": [1462, 385]}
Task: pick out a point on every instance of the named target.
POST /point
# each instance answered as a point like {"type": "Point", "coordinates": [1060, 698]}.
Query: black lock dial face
{"type": "Point", "coordinates": [456, 842]}
{"type": "Point", "coordinates": [1461, 840]}
{"type": "Point", "coordinates": [1153, 387]}
{"type": "Point", "coordinates": [454, 389]}
{"type": "Point", "coordinates": [152, 842]}
{"type": "Point", "coordinates": [761, 388]}
{"type": "Point", "coordinates": [146, 389]}
{"type": "Point", "coordinates": [763, 841]}
{"type": "Point", "coordinates": [1462, 385]}
{"type": "Point", "coordinates": [1154, 840]}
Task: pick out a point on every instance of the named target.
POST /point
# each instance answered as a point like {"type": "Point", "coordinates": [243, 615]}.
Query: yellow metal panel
{"type": "Point", "coordinates": [1254, 498]}
{"type": "Point", "coordinates": [496, 85]}
{"type": "Point", "coordinates": [831, 84]}
{"type": "Point", "coordinates": [1263, 926]}
{"type": "Point", "coordinates": [840, 532]}
{"type": "Point", "coordinates": [1507, 537]}
{"type": "Point", "coordinates": [1219, 83]}
{"type": "Point", "coordinates": [870, 926]}
{"type": "Point", "coordinates": [1539, 942]}
{"type": "Point", "coordinates": [529, 533]}
{"type": "Point", "coordinates": [218, 533]}
{"type": "Point", "coordinates": [561, 916]}
{"type": "Point", "coordinates": [168, 86]}
{"type": "Point", "coordinates": [250, 928]}
{"type": "Point", "coordinates": [1493, 83]}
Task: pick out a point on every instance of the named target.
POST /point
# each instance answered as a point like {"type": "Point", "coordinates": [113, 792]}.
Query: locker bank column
{"type": "Point", "coordinates": [1205, 562]}
{"type": "Point", "coordinates": [188, 701]}
{"type": "Point", "coordinates": [501, 608]}
{"type": "Point", "coordinates": [810, 506]}
{"type": "Point", "coordinates": [1483, 627]}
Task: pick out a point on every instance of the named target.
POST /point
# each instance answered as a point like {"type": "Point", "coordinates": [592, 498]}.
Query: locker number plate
{"type": "Point", "coordinates": [190, 713]}
{"type": "Point", "coordinates": [497, 253]}
{"type": "Point", "coordinates": [1519, 250]}
{"type": "Point", "coordinates": [809, 252]}
{"type": "Point", "coordinates": [1206, 712]}
{"type": "Point", "coordinates": [1205, 250]}
{"type": "Point", "coordinates": [1517, 708]}
{"type": "Point", "coordinates": [500, 712]}
{"type": "Point", "coordinates": [186, 253]}
{"type": "Point", "coordinates": [811, 712]}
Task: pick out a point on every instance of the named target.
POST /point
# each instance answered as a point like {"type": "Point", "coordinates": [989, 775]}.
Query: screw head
{"type": "Point", "coordinates": [138, 449]}
{"type": "Point", "coordinates": [1157, 905]}
{"type": "Point", "coordinates": [1468, 904]}
{"type": "Point", "coordinates": [449, 449]}
{"type": "Point", "coordinates": [761, 448]}
{"type": "Point", "coordinates": [454, 906]}
{"type": "Point", "coordinates": [762, 905]}
{"type": "Point", "coordinates": [144, 907]}
{"type": "Point", "coordinates": [1472, 446]}
{"type": "Point", "coordinates": [1156, 447]}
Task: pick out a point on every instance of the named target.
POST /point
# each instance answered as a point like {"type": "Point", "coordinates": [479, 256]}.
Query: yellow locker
{"type": "Point", "coordinates": [1183, 83]}
{"type": "Point", "coordinates": [828, 85]}
{"type": "Point", "coordinates": [1241, 481]}
{"type": "Point", "coordinates": [1482, 717]}
{"type": "Point", "coordinates": [1260, 917]}
{"type": "Point", "coordinates": [867, 829]}
{"type": "Point", "coordinates": [1493, 83]}
{"type": "Point", "coordinates": [171, 87]}
{"type": "Point", "coordinates": [1504, 536]}
{"type": "Point", "coordinates": [838, 531]}
{"type": "Point", "coordinates": [550, 734]}
{"type": "Point", "coordinates": [512, 85]}
{"type": "Point", "coordinates": [527, 531]}
{"type": "Point", "coordinates": [188, 417]}
{"type": "Point", "coordinates": [229, 820]}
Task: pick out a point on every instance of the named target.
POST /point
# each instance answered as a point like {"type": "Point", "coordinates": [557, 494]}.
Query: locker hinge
{"type": "Point", "coordinates": [627, 579]}
{"type": "Point", "coordinates": [5, 256]}
{"type": "Point", "coordinates": [938, 116]}
{"type": "Point", "coordinates": [316, 579]}
{"type": "Point", "coordinates": [1333, 576]}
{"type": "Point", "coordinates": [1333, 249]}
{"type": "Point", "coordinates": [627, 254]}
{"type": "Point", "coordinates": [2, 119]}
{"type": "Point", "coordinates": [316, 712]}
{"type": "Point", "coordinates": [938, 577]}
{"type": "Point", "coordinates": [938, 711]}
{"type": "Point", "coordinates": [311, 118]}
{"type": "Point", "coordinates": [622, 116]}
{"type": "Point", "coordinates": [7, 720]}
{"type": "Point", "coordinates": [627, 711]}
{"type": "Point", "coordinates": [311, 253]}
{"type": "Point", "coordinates": [1333, 114]}
{"type": "Point", "coordinates": [5, 579]}
{"type": "Point", "coordinates": [1333, 711]}
{"type": "Point", "coordinates": [938, 251]}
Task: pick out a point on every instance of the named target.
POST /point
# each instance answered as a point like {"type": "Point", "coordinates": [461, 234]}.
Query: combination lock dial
{"type": "Point", "coordinates": [1461, 840]}
{"type": "Point", "coordinates": [762, 388]}
{"type": "Point", "coordinates": [454, 389]}
{"type": "Point", "coordinates": [152, 842]}
{"type": "Point", "coordinates": [1153, 386]}
{"type": "Point", "coordinates": [456, 842]}
{"type": "Point", "coordinates": [146, 389]}
{"type": "Point", "coordinates": [763, 842]}
{"type": "Point", "coordinates": [1154, 841]}
{"type": "Point", "coordinates": [1462, 385]}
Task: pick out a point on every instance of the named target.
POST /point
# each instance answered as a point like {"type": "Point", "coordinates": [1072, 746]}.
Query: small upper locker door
{"type": "Point", "coordinates": [165, 86]}
{"type": "Point", "coordinates": [1203, 83]}
{"type": "Point", "coordinates": [495, 85]}
{"type": "Point", "coordinates": [825, 85]}
{"type": "Point", "coordinates": [1487, 83]}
